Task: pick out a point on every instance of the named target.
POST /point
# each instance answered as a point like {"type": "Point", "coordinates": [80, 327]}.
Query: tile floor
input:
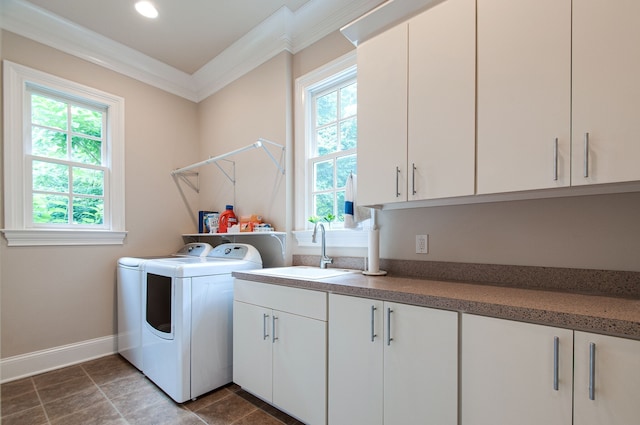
{"type": "Point", "coordinates": [109, 391]}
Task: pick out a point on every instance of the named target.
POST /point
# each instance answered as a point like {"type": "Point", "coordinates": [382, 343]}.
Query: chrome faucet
{"type": "Point", "coordinates": [324, 260]}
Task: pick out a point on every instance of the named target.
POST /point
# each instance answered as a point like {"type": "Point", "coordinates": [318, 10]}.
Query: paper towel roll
{"type": "Point", "coordinates": [374, 251]}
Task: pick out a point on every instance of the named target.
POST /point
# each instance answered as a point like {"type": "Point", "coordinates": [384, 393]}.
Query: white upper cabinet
{"type": "Point", "coordinates": [497, 96]}
{"type": "Point", "coordinates": [606, 91]}
{"type": "Point", "coordinates": [416, 108]}
{"type": "Point", "coordinates": [524, 95]}
{"type": "Point", "coordinates": [382, 118]}
{"type": "Point", "coordinates": [442, 57]}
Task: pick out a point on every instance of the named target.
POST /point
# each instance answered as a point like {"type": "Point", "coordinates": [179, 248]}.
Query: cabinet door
{"type": "Point", "coordinates": [420, 365]}
{"type": "Point", "coordinates": [606, 91]}
{"type": "Point", "coordinates": [442, 121]}
{"type": "Point", "coordinates": [524, 94]}
{"type": "Point", "coordinates": [614, 377]}
{"type": "Point", "coordinates": [508, 371]}
{"type": "Point", "coordinates": [252, 348]}
{"type": "Point", "coordinates": [300, 367]}
{"type": "Point", "coordinates": [382, 118]}
{"type": "Point", "coordinates": [355, 361]}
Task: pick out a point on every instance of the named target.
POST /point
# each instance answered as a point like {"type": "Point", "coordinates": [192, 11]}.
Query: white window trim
{"type": "Point", "coordinates": [16, 231]}
{"type": "Point", "coordinates": [334, 237]}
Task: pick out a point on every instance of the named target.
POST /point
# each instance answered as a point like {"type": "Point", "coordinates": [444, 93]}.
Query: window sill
{"type": "Point", "coordinates": [37, 237]}
{"type": "Point", "coordinates": [341, 238]}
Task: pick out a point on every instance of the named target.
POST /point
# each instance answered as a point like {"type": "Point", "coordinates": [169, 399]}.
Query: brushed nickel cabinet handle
{"type": "Point", "coordinates": [555, 160]}
{"type": "Point", "coordinates": [413, 179]}
{"type": "Point", "coordinates": [274, 338]}
{"type": "Point", "coordinates": [389, 339]}
{"type": "Point", "coordinates": [592, 371]}
{"type": "Point", "coordinates": [586, 155]}
{"type": "Point", "coordinates": [265, 334]}
{"type": "Point", "coordinates": [556, 349]}
{"type": "Point", "coordinates": [373, 313]}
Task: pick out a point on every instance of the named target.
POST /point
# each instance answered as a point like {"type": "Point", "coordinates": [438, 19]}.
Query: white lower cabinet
{"type": "Point", "coordinates": [606, 381]}
{"type": "Point", "coordinates": [520, 373]}
{"type": "Point", "coordinates": [515, 373]}
{"type": "Point", "coordinates": [391, 363]}
{"type": "Point", "coordinates": [280, 347]}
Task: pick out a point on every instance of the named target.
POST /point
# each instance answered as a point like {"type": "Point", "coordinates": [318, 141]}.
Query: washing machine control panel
{"type": "Point", "coordinates": [228, 250]}
{"type": "Point", "coordinates": [196, 249]}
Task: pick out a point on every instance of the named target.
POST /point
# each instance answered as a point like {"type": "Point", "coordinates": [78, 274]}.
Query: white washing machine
{"type": "Point", "coordinates": [187, 328]}
{"type": "Point", "coordinates": [129, 294]}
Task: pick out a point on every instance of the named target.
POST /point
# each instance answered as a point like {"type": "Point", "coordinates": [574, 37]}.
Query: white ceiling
{"type": "Point", "coordinates": [187, 33]}
{"type": "Point", "coordinates": [194, 48]}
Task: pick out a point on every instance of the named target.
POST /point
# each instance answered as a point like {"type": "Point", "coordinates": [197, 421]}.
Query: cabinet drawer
{"type": "Point", "coordinates": [302, 302]}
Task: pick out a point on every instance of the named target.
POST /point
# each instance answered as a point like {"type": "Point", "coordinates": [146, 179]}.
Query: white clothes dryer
{"type": "Point", "coordinates": [187, 328]}
{"type": "Point", "coordinates": [129, 299]}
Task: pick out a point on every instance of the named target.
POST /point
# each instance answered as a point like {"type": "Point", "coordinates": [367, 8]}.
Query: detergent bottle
{"type": "Point", "coordinates": [227, 219]}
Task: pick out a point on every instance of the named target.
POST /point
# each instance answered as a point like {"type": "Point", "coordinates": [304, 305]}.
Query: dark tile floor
{"type": "Point", "coordinates": [109, 391]}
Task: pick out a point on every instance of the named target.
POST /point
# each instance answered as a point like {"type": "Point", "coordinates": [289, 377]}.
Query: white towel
{"type": "Point", "coordinates": [353, 214]}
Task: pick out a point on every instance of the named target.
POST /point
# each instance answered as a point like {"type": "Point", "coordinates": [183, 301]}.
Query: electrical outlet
{"type": "Point", "coordinates": [422, 244]}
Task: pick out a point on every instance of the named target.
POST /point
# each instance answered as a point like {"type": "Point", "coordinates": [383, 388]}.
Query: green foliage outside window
{"type": "Point", "coordinates": [336, 136]}
{"type": "Point", "coordinates": [66, 141]}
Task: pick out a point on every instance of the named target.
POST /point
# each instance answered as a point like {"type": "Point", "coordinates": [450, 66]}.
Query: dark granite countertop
{"type": "Point", "coordinates": [617, 316]}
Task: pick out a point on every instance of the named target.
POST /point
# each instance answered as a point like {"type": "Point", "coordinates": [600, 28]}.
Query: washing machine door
{"type": "Point", "coordinates": [159, 305]}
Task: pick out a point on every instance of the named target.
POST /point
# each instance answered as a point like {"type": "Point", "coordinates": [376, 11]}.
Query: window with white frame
{"type": "Point", "coordinates": [327, 112]}
{"type": "Point", "coordinates": [333, 146]}
{"type": "Point", "coordinates": [64, 162]}
{"type": "Point", "coordinates": [326, 150]}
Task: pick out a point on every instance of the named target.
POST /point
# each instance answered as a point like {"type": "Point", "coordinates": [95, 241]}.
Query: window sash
{"type": "Point", "coordinates": [70, 194]}
{"type": "Point", "coordinates": [330, 85]}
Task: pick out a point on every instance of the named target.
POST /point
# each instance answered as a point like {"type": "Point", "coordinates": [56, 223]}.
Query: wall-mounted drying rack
{"type": "Point", "coordinates": [185, 172]}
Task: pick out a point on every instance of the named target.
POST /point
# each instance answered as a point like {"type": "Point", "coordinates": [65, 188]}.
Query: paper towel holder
{"type": "Point", "coordinates": [373, 251]}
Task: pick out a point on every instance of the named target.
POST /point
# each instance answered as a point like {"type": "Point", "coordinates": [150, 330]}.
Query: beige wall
{"type": "Point", "coordinates": [321, 52]}
{"type": "Point", "coordinates": [254, 106]}
{"type": "Point", "coordinates": [591, 232]}
{"type": "Point", "coordinates": [250, 108]}
{"type": "Point", "coordinates": [53, 296]}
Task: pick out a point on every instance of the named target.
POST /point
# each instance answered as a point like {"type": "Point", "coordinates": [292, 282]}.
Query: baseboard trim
{"type": "Point", "coordinates": [36, 362]}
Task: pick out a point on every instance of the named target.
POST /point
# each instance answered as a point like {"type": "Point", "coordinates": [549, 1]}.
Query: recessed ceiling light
{"type": "Point", "coordinates": [147, 9]}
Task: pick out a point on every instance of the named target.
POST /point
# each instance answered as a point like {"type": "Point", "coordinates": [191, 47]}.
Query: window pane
{"type": "Point", "coordinates": [86, 121]}
{"type": "Point", "coordinates": [323, 175]}
{"type": "Point", "coordinates": [48, 112]}
{"type": "Point", "coordinates": [340, 205]}
{"type": "Point", "coordinates": [326, 108]}
{"type": "Point", "coordinates": [88, 182]}
{"type": "Point", "coordinates": [323, 204]}
{"type": "Point", "coordinates": [349, 100]}
{"type": "Point", "coordinates": [345, 165]}
{"type": "Point", "coordinates": [50, 177]}
{"type": "Point", "coordinates": [48, 143]}
{"type": "Point", "coordinates": [86, 151]}
{"type": "Point", "coordinates": [326, 140]}
{"type": "Point", "coordinates": [349, 134]}
{"type": "Point", "coordinates": [88, 211]}
{"type": "Point", "coordinates": [50, 209]}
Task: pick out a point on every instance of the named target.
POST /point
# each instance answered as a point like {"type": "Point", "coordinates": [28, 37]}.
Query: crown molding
{"type": "Point", "coordinates": [30, 21]}
{"type": "Point", "coordinates": [318, 18]}
{"type": "Point", "coordinates": [271, 37]}
{"type": "Point", "coordinates": [283, 31]}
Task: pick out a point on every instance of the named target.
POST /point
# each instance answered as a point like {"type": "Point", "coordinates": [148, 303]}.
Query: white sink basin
{"type": "Point", "coordinates": [304, 272]}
